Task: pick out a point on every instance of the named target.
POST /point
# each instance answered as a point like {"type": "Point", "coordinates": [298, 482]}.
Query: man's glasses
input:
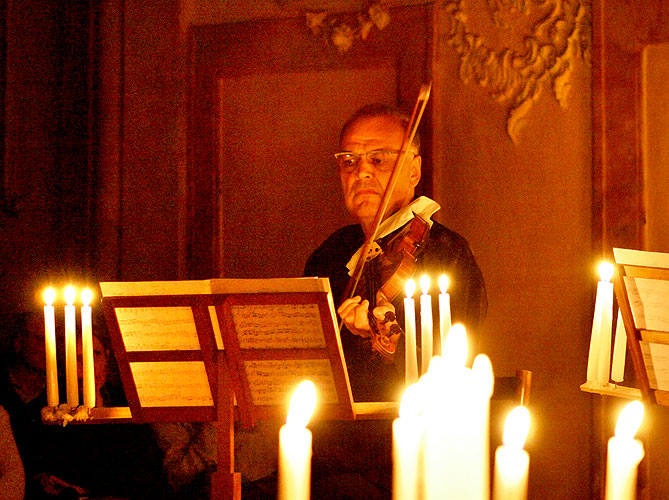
{"type": "Point", "coordinates": [381, 159]}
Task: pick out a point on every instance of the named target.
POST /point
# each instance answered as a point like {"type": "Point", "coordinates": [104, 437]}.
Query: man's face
{"type": "Point", "coordinates": [365, 184]}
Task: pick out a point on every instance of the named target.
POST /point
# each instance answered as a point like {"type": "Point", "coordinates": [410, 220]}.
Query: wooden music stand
{"type": "Point", "coordinates": [213, 350]}
{"type": "Point", "coordinates": [641, 284]}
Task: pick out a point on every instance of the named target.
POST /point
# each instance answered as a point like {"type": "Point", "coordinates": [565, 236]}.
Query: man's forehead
{"type": "Point", "coordinates": [375, 130]}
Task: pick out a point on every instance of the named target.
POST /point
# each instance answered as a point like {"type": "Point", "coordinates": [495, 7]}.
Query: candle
{"type": "Point", "coordinates": [71, 349]}
{"type": "Point", "coordinates": [87, 349]}
{"type": "Point", "coordinates": [624, 454]}
{"type": "Point", "coordinates": [50, 348]}
{"type": "Point", "coordinates": [511, 460]}
{"type": "Point", "coordinates": [425, 323]}
{"type": "Point", "coordinates": [444, 310]}
{"type": "Point", "coordinates": [410, 357]}
{"type": "Point", "coordinates": [599, 355]}
{"type": "Point", "coordinates": [619, 345]}
{"type": "Point", "coordinates": [456, 423]}
{"type": "Point", "coordinates": [407, 439]}
{"type": "Point", "coordinates": [295, 445]}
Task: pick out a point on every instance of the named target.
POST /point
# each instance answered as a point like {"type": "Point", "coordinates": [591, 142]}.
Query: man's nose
{"type": "Point", "coordinates": [365, 168]}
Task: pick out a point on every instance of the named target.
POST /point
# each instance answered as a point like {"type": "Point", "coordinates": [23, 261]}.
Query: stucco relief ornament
{"type": "Point", "coordinates": [335, 30]}
{"type": "Point", "coordinates": [515, 78]}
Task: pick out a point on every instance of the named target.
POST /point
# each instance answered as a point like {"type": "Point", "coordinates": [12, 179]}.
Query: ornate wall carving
{"type": "Point", "coordinates": [554, 34]}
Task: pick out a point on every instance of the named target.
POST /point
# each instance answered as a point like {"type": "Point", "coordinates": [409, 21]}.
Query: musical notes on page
{"type": "Point", "coordinates": [157, 328]}
{"type": "Point", "coordinates": [648, 301]}
{"type": "Point", "coordinates": [278, 326]}
{"type": "Point", "coordinates": [171, 383]}
{"type": "Point", "coordinates": [273, 381]}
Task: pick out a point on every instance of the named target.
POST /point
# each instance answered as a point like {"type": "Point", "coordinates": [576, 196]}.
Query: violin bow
{"type": "Point", "coordinates": [409, 135]}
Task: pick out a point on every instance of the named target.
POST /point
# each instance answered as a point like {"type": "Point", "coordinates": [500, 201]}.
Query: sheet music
{"type": "Point", "coordinates": [157, 328]}
{"type": "Point", "coordinates": [172, 383]}
{"type": "Point", "coordinates": [649, 300]}
{"type": "Point", "coordinates": [273, 381]}
{"type": "Point", "coordinates": [656, 359]}
{"type": "Point", "coordinates": [278, 326]}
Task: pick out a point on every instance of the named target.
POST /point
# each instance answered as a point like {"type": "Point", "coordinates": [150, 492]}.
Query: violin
{"type": "Point", "coordinates": [401, 251]}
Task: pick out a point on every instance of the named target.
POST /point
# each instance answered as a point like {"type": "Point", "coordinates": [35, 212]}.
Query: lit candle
{"type": "Point", "coordinates": [604, 359]}
{"type": "Point", "coordinates": [71, 349]}
{"type": "Point", "coordinates": [619, 345]}
{"type": "Point", "coordinates": [444, 310]}
{"type": "Point", "coordinates": [87, 349]}
{"type": "Point", "coordinates": [407, 439]}
{"type": "Point", "coordinates": [456, 423]}
{"type": "Point", "coordinates": [295, 445]}
{"type": "Point", "coordinates": [624, 454]}
{"type": "Point", "coordinates": [600, 340]}
{"type": "Point", "coordinates": [50, 348]}
{"type": "Point", "coordinates": [425, 323]}
{"type": "Point", "coordinates": [410, 357]}
{"type": "Point", "coordinates": [511, 460]}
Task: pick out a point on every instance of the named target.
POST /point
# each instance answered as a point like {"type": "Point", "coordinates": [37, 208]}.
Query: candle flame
{"type": "Point", "coordinates": [70, 293]}
{"type": "Point", "coordinates": [410, 288]}
{"type": "Point", "coordinates": [606, 271]}
{"type": "Point", "coordinates": [443, 283]}
{"type": "Point", "coordinates": [49, 296]}
{"type": "Point", "coordinates": [455, 347]}
{"type": "Point", "coordinates": [629, 420]}
{"type": "Point", "coordinates": [411, 403]}
{"type": "Point", "coordinates": [86, 297]}
{"type": "Point", "coordinates": [425, 284]}
{"type": "Point", "coordinates": [482, 370]}
{"type": "Point", "coordinates": [516, 427]}
{"type": "Point", "coordinates": [302, 404]}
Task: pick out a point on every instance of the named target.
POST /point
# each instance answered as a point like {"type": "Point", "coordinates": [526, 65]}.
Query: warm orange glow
{"type": "Point", "coordinates": [86, 297]}
{"type": "Point", "coordinates": [425, 284]}
{"type": "Point", "coordinates": [455, 346]}
{"type": "Point", "coordinates": [70, 293]}
{"type": "Point", "coordinates": [302, 404]}
{"type": "Point", "coordinates": [49, 296]}
{"type": "Point", "coordinates": [516, 427]}
{"type": "Point", "coordinates": [629, 420]}
{"type": "Point", "coordinates": [410, 288]}
{"type": "Point", "coordinates": [606, 271]}
{"type": "Point", "coordinates": [443, 283]}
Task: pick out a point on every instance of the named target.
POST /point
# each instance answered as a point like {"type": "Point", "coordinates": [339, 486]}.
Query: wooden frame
{"type": "Point", "coordinates": [646, 265]}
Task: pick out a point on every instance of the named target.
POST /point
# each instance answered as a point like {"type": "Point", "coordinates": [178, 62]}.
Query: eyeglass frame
{"type": "Point", "coordinates": [395, 152]}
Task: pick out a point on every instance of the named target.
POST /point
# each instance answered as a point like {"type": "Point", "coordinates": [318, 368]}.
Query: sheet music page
{"type": "Point", "coordinates": [649, 300]}
{"type": "Point", "coordinates": [172, 383]}
{"type": "Point", "coordinates": [157, 328]}
{"type": "Point", "coordinates": [278, 326]}
{"type": "Point", "coordinates": [273, 381]}
{"type": "Point", "coordinates": [656, 359]}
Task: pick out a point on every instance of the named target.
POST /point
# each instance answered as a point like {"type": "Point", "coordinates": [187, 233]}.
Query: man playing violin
{"type": "Point", "coordinates": [371, 142]}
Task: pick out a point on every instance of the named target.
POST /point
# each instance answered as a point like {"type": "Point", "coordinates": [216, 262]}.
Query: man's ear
{"type": "Point", "coordinates": [415, 172]}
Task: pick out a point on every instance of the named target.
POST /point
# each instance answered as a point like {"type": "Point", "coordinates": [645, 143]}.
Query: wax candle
{"type": "Point", "coordinates": [624, 454]}
{"type": "Point", "coordinates": [619, 345]}
{"type": "Point", "coordinates": [600, 339]}
{"type": "Point", "coordinates": [444, 309]}
{"type": "Point", "coordinates": [410, 356]}
{"type": "Point", "coordinates": [71, 380]}
{"type": "Point", "coordinates": [456, 423]}
{"type": "Point", "coordinates": [87, 349]}
{"type": "Point", "coordinates": [295, 445]}
{"type": "Point", "coordinates": [407, 440]}
{"type": "Point", "coordinates": [511, 460]}
{"type": "Point", "coordinates": [425, 323]}
{"type": "Point", "coordinates": [50, 348]}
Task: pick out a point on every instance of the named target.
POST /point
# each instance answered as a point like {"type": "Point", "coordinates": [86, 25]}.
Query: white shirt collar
{"type": "Point", "coordinates": [423, 206]}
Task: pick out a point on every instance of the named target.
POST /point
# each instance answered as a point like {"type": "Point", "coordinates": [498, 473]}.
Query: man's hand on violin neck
{"type": "Point", "coordinates": [355, 314]}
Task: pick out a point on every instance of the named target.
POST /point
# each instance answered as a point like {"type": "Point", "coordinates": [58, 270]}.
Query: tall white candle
{"type": "Point", "coordinates": [425, 323]}
{"type": "Point", "coordinates": [511, 460]}
{"type": "Point", "coordinates": [456, 423]}
{"type": "Point", "coordinates": [71, 349]}
{"type": "Point", "coordinates": [87, 349]}
{"type": "Point", "coordinates": [619, 346]}
{"type": "Point", "coordinates": [597, 341]}
{"type": "Point", "coordinates": [410, 356]}
{"type": "Point", "coordinates": [295, 445]}
{"type": "Point", "coordinates": [624, 454]}
{"type": "Point", "coordinates": [444, 309]}
{"type": "Point", "coordinates": [408, 431]}
{"type": "Point", "coordinates": [50, 348]}
{"type": "Point", "coordinates": [604, 358]}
